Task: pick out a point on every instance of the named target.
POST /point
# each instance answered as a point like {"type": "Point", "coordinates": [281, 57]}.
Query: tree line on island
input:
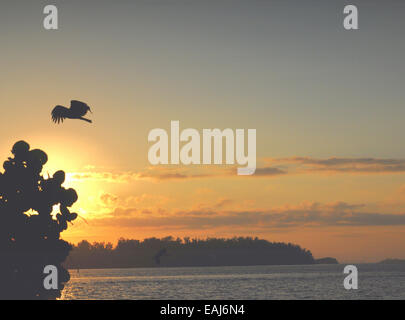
{"type": "Point", "coordinates": [186, 252]}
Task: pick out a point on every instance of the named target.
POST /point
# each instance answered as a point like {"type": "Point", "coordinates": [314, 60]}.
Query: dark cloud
{"type": "Point", "coordinates": [344, 165]}
{"type": "Point", "coordinates": [181, 173]}
{"type": "Point", "coordinates": [269, 171]}
{"type": "Point", "coordinates": [308, 215]}
{"type": "Point", "coordinates": [292, 165]}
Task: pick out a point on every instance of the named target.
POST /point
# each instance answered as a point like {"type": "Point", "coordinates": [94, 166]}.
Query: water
{"type": "Point", "coordinates": [376, 281]}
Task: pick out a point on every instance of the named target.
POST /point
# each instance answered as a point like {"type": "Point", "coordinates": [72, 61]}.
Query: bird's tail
{"type": "Point", "coordinates": [81, 118]}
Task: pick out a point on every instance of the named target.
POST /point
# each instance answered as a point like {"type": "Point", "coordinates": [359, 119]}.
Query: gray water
{"type": "Point", "coordinates": [376, 281]}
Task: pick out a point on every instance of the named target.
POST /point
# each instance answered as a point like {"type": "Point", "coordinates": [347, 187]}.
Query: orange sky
{"type": "Point", "coordinates": [327, 106]}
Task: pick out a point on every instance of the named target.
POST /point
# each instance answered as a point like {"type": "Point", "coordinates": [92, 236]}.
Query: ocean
{"type": "Point", "coordinates": [375, 281]}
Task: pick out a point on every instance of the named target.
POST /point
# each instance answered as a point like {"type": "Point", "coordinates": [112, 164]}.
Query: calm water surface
{"type": "Point", "coordinates": [376, 281]}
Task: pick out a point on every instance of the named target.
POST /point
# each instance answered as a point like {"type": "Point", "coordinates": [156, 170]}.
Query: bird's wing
{"type": "Point", "coordinates": [78, 108]}
{"type": "Point", "coordinates": [59, 113]}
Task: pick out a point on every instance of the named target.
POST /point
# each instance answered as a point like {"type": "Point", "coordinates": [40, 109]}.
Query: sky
{"type": "Point", "coordinates": [327, 104]}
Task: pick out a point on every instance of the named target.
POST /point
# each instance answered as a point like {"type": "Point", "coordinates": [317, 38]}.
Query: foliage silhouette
{"type": "Point", "coordinates": [170, 252]}
{"type": "Point", "coordinates": [29, 234]}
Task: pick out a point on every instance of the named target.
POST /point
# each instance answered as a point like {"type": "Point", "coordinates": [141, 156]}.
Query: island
{"type": "Point", "coordinates": [186, 252]}
{"type": "Point", "coordinates": [393, 261]}
{"type": "Point", "coordinates": [327, 260]}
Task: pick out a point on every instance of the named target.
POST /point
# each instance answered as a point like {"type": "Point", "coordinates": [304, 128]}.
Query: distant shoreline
{"type": "Point", "coordinates": [385, 261]}
{"type": "Point", "coordinates": [393, 261]}
{"type": "Point", "coordinates": [222, 266]}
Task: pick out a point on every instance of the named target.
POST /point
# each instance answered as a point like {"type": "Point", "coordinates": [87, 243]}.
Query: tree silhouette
{"type": "Point", "coordinates": [170, 252]}
{"type": "Point", "coordinates": [29, 233]}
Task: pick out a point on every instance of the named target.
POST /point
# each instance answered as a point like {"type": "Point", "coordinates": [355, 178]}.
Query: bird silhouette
{"type": "Point", "coordinates": [76, 111]}
{"type": "Point", "coordinates": [159, 255]}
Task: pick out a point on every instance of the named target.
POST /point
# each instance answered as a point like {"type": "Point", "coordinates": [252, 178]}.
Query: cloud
{"type": "Point", "coordinates": [304, 215]}
{"type": "Point", "coordinates": [268, 171]}
{"type": "Point", "coordinates": [169, 173]}
{"type": "Point", "coordinates": [162, 173]}
{"type": "Point", "coordinates": [179, 173]}
{"type": "Point", "coordinates": [108, 199]}
{"type": "Point", "coordinates": [120, 177]}
{"type": "Point", "coordinates": [284, 166]}
{"type": "Point", "coordinates": [342, 165]}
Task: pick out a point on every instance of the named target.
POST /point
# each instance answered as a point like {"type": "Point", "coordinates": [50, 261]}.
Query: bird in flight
{"type": "Point", "coordinates": [76, 111]}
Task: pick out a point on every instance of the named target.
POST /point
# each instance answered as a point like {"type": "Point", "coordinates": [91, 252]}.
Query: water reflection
{"type": "Point", "coordinates": [252, 282]}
